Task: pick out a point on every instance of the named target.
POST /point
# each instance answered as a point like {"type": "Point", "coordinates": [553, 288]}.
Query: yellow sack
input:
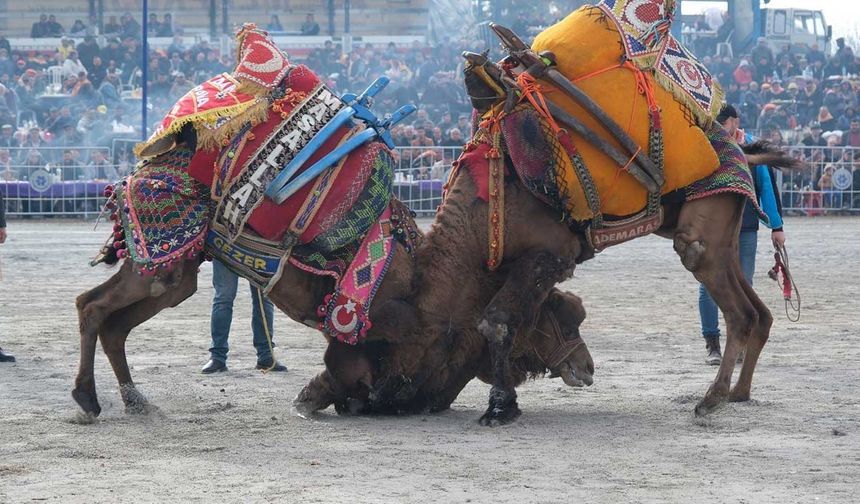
{"type": "Point", "coordinates": [583, 44]}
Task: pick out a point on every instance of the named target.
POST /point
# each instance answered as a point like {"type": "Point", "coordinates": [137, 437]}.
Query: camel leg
{"type": "Point", "coordinates": [124, 288]}
{"type": "Point", "coordinates": [758, 337]}
{"type": "Point", "coordinates": [95, 306]}
{"type": "Point", "coordinates": [513, 309]}
{"type": "Point", "coordinates": [706, 239]}
{"type": "Point", "coordinates": [346, 381]}
{"type": "Point", "coordinates": [114, 332]}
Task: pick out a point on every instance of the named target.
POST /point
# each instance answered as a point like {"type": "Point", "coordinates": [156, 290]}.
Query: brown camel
{"type": "Point", "coordinates": [368, 377]}
{"type": "Point", "coordinates": [704, 233]}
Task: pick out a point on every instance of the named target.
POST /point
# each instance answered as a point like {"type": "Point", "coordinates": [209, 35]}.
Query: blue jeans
{"type": "Point", "coordinates": [708, 313]}
{"type": "Point", "coordinates": [225, 283]}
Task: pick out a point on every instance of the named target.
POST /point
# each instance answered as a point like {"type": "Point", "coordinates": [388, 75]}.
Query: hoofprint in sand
{"type": "Point", "coordinates": [629, 438]}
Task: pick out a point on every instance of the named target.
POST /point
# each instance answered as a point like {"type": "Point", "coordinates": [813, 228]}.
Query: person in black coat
{"type": "Point", "coordinates": [4, 357]}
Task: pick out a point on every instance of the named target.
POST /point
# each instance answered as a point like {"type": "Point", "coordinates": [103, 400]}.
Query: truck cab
{"type": "Point", "coordinates": [799, 28]}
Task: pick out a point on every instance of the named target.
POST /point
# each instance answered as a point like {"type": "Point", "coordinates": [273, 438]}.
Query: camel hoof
{"type": "Point", "coordinates": [495, 417]}
{"type": "Point", "coordinates": [707, 405]}
{"type": "Point", "coordinates": [503, 408]}
{"type": "Point", "coordinates": [307, 402]}
{"type": "Point", "coordinates": [87, 401]}
{"type": "Point", "coordinates": [135, 402]}
{"type": "Point", "coordinates": [739, 395]}
{"type": "Point", "coordinates": [350, 407]}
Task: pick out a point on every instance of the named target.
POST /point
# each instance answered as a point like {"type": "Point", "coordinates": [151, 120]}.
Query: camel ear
{"type": "Point", "coordinates": [158, 147]}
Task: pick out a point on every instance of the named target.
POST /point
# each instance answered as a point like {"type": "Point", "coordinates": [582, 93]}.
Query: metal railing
{"type": "Point", "coordinates": [829, 184]}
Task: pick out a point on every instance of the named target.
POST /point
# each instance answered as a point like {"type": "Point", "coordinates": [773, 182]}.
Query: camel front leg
{"type": "Point", "coordinates": [114, 332]}
{"type": "Point", "coordinates": [514, 309]}
{"type": "Point", "coordinates": [124, 288]}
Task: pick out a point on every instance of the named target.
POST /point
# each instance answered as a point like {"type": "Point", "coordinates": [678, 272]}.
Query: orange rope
{"type": "Point", "coordinates": [643, 87]}
{"type": "Point", "coordinates": [531, 91]}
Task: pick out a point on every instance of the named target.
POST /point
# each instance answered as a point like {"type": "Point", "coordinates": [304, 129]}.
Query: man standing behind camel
{"type": "Point", "coordinates": [767, 193]}
{"type": "Point", "coordinates": [4, 357]}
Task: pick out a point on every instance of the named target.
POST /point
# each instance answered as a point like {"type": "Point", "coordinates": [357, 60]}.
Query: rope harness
{"type": "Point", "coordinates": [782, 276]}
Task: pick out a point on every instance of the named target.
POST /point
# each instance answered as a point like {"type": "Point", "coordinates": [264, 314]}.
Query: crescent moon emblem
{"type": "Point", "coordinates": [273, 64]}
{"type": "Point", "coordinates": [348, 328]}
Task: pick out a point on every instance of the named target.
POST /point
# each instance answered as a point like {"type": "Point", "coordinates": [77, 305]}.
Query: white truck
{"type": "Point", "coordinates": [799, 28]}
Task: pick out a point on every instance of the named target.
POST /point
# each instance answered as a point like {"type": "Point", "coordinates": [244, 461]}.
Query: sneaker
{"type": "Point", "coordinates": [712, 345]}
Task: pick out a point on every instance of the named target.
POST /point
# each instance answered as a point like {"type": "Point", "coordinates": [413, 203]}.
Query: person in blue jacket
{"type": "Point", "coordinates": [767, 193]}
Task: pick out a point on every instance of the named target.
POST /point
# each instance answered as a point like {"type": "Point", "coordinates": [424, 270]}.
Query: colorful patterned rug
{"type": "Point", "coordinates": [733, 175]}
{"type": "Point", "coordinates": [648, 43]}
{"type": "Point", "coordinates": [160, 213]}
{"type": "Point", "coordinates": [346, 310]}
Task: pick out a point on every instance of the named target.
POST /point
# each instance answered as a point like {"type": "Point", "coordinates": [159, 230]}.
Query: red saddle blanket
{"type": "Point", "coordinates": [303, 107]}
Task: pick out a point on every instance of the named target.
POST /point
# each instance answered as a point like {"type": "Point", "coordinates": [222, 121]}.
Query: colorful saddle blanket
{"type": "Point", "coordinates": [545, 163]}
{"type": "Point", "coordinates": [160, 213]}
{"type": "Point", "coordinates": [589, 45]}
{"type": "Point", "coordinates": [249, 125]}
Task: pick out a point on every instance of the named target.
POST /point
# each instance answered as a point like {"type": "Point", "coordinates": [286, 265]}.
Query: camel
{"type": "Point", "coordinates": [354, 380]}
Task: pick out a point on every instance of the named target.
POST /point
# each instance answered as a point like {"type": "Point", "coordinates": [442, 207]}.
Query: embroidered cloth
{"type": "Point", "coordinates": [162, 213]}
{"type": "Point", "coordinates": [644, 27]}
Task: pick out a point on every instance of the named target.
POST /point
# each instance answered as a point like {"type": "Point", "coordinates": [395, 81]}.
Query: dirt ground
{"type": "Point", "coordinates": [629, 438]}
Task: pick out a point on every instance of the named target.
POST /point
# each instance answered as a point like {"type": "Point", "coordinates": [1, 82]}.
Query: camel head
{"type": "Point", "coordinates": [483, 81]}
{"type": "Point", "coordinates": [556, 340]}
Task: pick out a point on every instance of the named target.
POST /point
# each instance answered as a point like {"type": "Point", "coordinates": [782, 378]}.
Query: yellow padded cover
{"type": "Point", "coordinates": [583, 44]}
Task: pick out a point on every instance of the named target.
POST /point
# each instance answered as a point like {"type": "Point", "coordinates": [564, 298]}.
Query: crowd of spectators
{"type": "Point", "coordinates": [787, 97]}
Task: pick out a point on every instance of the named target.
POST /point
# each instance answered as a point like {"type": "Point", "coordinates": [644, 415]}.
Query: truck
{"type": "Point", "coordinates": [799, 28]}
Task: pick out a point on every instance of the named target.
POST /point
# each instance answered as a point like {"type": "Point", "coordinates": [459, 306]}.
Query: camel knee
{"type": "Point", "coordinates": [690, 252]}
{"type": "Point", "coordinates": [494, 327]}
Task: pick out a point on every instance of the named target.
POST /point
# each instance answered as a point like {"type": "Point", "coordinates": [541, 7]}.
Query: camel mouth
{"type": "Point", "coordinates": [575, 378]}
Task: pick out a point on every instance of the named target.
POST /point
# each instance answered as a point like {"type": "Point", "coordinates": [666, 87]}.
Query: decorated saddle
{"type": "Point", "coordinates": [605, 113]}
{"type": "Point", "coordinates": [337, 217]}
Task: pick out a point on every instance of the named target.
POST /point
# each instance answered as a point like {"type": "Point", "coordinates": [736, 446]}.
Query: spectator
{"type": "Point", "coordinates": [310, 27]}
{"type": "Point", "coordinates": [7, 172]}
{"type": "Point", "coordinates": [130, 27]}
{"type": "Point", "coordinates": [455, 138]}
{"type": "Point", "coordinates": [6, 64]}
{"type": "Point", "coordinates": [812, 136]}
{"type": "Point", "coordinates": [32, 141]}
{"type": "Point", "coordinates": [153, 25]}
{"type": "Point", "coordinates": [852, 137]}
{"type": "Point", "coordinates": [110, 90]}
{"type": "Point", "coordinates": [8, 105]}
{"type": "Point", "coordinates": [88, 50]}
{"type": "Point", "coordinates": [815, 55]}
{"type": "Point", "coordinates": [40, 28]}
{"type": "Point", "coordinates": [72, 66]}
{"type": "Point", "coordinates": [7, 139]}
{"type": "Point", "coordinates": [165, 28]}
{"type": "Point", "coordinates": [91, 127]}
{"type": "Point", "coordinates": [112, 27]}
{"type": "Point", "coordinates": [274, 24]}
{"type": "Point", "coordinates": [825, 119]}
{"type": "Point", "coordinates": [177, 46]}
{"type": "Point", "coordinates": [762, 58]}
{"type": "Point", "coordinates": [78, 29]}
{"type": "Point", "coordinates": [844, 55]}
{"type": "Point", "coordinates": [99, 167]}
{"type": "Point", "coordinates": [55, 29]}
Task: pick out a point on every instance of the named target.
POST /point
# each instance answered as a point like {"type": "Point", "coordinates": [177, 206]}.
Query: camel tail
{"type": "Point", "coordinates": [763, 152]}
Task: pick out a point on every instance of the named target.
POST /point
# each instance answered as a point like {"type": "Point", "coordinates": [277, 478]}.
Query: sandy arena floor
{"type": "Point", "coordinates": [629, 438]}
